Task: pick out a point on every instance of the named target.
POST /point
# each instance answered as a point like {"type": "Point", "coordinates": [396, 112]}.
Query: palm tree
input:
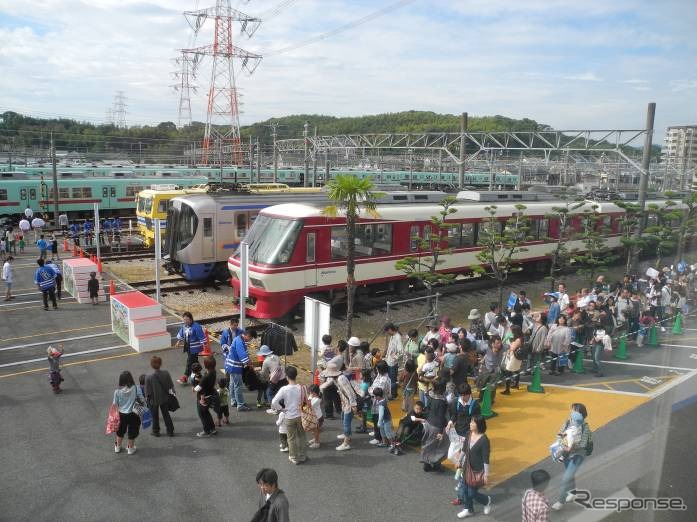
{"type": "Point", "coordinates": [351, 195]}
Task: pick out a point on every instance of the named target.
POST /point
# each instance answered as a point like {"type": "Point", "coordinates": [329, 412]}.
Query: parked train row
{"type": "Point", "coordinates": [295, 250]}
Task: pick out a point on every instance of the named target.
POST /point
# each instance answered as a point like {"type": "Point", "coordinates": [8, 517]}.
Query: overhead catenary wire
{"type": "Point", "coordinates": [342, 28]}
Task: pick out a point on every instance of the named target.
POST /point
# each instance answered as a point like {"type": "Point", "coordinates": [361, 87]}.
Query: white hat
{"type": "Point", "coordinates": [354, 341]}
{"type": "Point", "coordinates": [474, 314]}
{"type": "Point", "coordinates": [332, 371]}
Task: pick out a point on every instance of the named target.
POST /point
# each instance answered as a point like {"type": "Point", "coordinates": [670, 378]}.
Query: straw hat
{"type": "Point", "coordinates": [332, 371]}
{"type": "Point", "coordinates": [474, 314]}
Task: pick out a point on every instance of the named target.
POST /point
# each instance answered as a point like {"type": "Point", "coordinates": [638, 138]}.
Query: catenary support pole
{"type": "Point", "coordinates": [306, 153]}
{"type": "Point", "coordinates": [244, 281]}
{"type": "Point", "coordinates": [461, 166]}
{"type": "Point", "coordinates": [97, 229]}
{"type": "Point", "coordinates": [56, 212]}
{"type": "Point", "coordinates": [158, 257]}
{"type": "Point", "coordinates": [644, 176]}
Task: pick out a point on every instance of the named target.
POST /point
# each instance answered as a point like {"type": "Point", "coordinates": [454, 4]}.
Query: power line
{"type": "Point", "coordinates": [342, 28]}
{"type": "Point", "coordinates": [275, 11]}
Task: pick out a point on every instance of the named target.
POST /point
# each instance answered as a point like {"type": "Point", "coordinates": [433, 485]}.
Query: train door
{"type": "Point", "coordinates": [311, 259]}
{"type": "Point", "coordinates": [108, 196]}
{"type": "Point", "coordinates": [207, 238]}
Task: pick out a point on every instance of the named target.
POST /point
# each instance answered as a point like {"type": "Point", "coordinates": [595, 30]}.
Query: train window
{"type": "Point", "coordinates": [272, 240]}
{"type": "Point", "coordinates": [3, 194]}
{"type": "Point", "coordinates": [105, 192]}
{"type": "Point", "coordinates": [454, 236]}
{"type": "Point", "coordinates": [133, 190]}
{"type": "Point", "coordinates": [543, 229]}
{"type": "Point", "coordinates": [310, 249]}
{"type": "Point", "coordinates": [414, 238]}
{"type": "Point", "coordinates": [241, 221]}
{"type": "Point", "coordinates": [64, 192]}
{"type": "Point", "coordinates": [32, 193]}
{"type": "Point", "coordinates": [373, 240]}
{"type": "Point", "coordinates": [606, 222]}
{"type": "Point", "coordinates": [469, 234]}
{"type": "Point", "coordinates": [161, 206]}
{"type": "Point", "coordinates": [186, 227]}
{"type": "Point", "coordinates": [23, 193]}
{"type": "Point", "coordinates": [427, 233]}
{"type": "Point", "coordinates": [112, 192]}
{"type": "Point", "coordinates": [207, 227]}
{"type": "Point", "coordinates": [651, 220]}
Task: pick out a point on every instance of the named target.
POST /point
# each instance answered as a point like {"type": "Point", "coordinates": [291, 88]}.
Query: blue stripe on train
{"type": "Point", "coordinates": [198, 271]}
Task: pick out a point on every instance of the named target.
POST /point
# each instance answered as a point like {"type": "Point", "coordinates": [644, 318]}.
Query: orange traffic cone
{"type": "Point", "coordinates": [315, 377]}
{"type": "Point", "coordinates": [206, 345]}
{"type": "Point", "coordinates": [99, 265]}
{"type": "Point", "coordinates": [65, 244]}
{"type": "Point", "coordinates": [112, 287]}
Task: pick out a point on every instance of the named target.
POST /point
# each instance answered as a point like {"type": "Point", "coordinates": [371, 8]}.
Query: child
{"type": "Point", "coordinates": [282, 431]}
{"type": "Point", "coordinates": [54, 248]}
{"type": "Point", "coordinates": [21, 244]}
{"type": "Point", "coordinates": [93, 287]}
{"type": "Point", "coordinates": [363, 397]}
{"type": "Point", "coordinates": [645, 324]}
{"type": "Point", "coordinates": [408, 381]}
{"type": "Point", "coordinates": [561, 449]}
{"type": "Point", "coordinates": [316, 404]}
{"type": "Point", "coordinates": [224, 394]}
{"type": "Point", "coordinates": [384, 421]}
{"type": "Point", "coordinates": [54, 370]}
{"type": "Point", "coordinates": [195, 377]}
{"type": "Point", "coordinates": [451, 350]}
{"type": "Point", "coordinates": [410, 426]}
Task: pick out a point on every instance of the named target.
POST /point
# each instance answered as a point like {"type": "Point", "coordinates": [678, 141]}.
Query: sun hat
{"type": "Point", "coordinates": [331, 371]}
{"type": "Point", "coordinates": [265, 350]}
{"type": "Point", "coordinates": [474, 314]}
{"type": "Point", "coordinates": [433, 324]}
{"type": "Point", "coordinates": [354, 341]}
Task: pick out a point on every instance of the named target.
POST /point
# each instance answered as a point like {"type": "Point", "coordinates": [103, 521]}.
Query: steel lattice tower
{"type": "Point", "coordinates": [222, 133]}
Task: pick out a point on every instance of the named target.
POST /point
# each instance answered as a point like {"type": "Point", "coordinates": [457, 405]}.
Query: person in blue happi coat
{"type": "Point", "coordinates": [236, 359]}
{"type": "Point", "coordinates": [190, 338]}
{"type": "Point", "coordinates": [45, 278]}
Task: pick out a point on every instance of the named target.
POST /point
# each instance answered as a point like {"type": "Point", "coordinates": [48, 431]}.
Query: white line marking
{"type": "Point", "coordinates": [43, 359]}
{"type": "Point", "coordinates": [649, 365]}
{"type": "Point", "coordinates": [20, 303]}
{"type": "Point", "coordinates": [581, 388]}
{"type": "Point", "coordinates": [680, 346]}
{"type": "Point", "coordinates": [660, 390]}
{"type": "Point", "coordinates": [55, 341]}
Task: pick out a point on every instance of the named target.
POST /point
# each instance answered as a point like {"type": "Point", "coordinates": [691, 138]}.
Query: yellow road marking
{"type": "Point", "coordinates": [55, 332]}
{"type": "Point", "coordinates": [69, 364]}
{"type": "Point", "coordinates": [641, 384]}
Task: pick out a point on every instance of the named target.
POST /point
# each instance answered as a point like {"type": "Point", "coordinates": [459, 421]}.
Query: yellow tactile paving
{"type": "Point", "coordinates": [527, 423]}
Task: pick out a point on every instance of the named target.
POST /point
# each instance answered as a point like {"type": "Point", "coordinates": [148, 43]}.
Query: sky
{"type": "Point", "coordinates": [570, 64]}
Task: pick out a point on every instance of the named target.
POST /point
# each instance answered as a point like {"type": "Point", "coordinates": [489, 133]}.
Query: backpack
{"type": "Point", "coordinates": [589, 444]}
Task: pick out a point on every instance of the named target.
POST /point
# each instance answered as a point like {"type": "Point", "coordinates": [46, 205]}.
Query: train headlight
{"type": "Point", "coordinates": [256, 282]}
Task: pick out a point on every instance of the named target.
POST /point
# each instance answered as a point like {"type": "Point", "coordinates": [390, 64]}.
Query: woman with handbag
{"type": "Point", "coordinates": [127, 398]}
{"type": "Point", "coordinates": [559, 337]}
{"type": "Point", "coordinates": [207, 397]}
{"type": "Point", "coordinates": [510, 366]}
{"type": "Point", "coordinates": [159, 393]}
{"type": "Point", "coordinates": [434, 449]}
{"type": "Point", "coordinates": [474, 468]}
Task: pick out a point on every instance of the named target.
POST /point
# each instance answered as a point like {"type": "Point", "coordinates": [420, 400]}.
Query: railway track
{"type": "Point", "coordinates": [173, 286]}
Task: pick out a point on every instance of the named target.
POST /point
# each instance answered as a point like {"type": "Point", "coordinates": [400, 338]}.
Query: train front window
{"type": "Point", "coordinates": [186, 226]}
{"type": "Point", "coordinates": [272, 240]}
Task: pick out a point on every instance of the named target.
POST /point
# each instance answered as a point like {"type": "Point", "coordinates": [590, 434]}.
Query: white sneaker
{"type": "Point", "coordinates": [285, 450]}
{"type": "Point", "coordinates": [313, 445]}
{"type": "Point", "coordinates": [341, 436]}
{"type": "Point", "coordinates": [374, 442]}
{"type": "Point", "coordinates": [271, 411]}
{"type": "Point", "coordinates": [117, 449]}
{"type": "Point", "coordinates": [557, 506]}
{"type": "Point", "coordinates": [343, 447]}
{"type": "Point", "coordinates": [487, 508]}
{"type": "Point", "coordinates": [464, 513]}
{"type": "Point", "coordinates": [132, 450]}
{"type": "Point", "coordinates": [571, 497]}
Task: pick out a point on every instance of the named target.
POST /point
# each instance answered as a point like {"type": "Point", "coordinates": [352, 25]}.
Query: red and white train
{"type": "Point", "coordinates": [296, 250]}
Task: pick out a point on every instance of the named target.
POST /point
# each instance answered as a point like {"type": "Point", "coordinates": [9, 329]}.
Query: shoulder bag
{"type": "Point", "coordinates": [474, 479]}
{"type": "Point", "coordinates": [172, 401]}
{"type": "Point", "coordinates": [307, 414]}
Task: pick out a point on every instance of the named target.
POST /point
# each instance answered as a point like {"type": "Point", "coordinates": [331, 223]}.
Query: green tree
{"type": "Point", "coordinates": [560, 257]}
{"type": "Point", "coordinates": [688, 222]}
{"type": "Point", "coordinates": [632, 245]}
{"type": "Point", "coordinates": [660, 233]}
{"type": "Point", "coordinates": [351, 195]}
{"type": "Point", "coordinates": [595, 254]}
{"type": "Point", "coordinates": [430, 251]}
{"type": "Point", "coordinates": [501, 244]}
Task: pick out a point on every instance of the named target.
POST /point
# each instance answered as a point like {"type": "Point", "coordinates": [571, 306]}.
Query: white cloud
{"type": "Point", "coordinates": [569, 64]}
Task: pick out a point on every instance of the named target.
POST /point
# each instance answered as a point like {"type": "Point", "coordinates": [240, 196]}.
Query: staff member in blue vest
{"type": "Point", "coordinates": [236, 359]}
{"type": "Point", "coordinates": [190, 338]}
{"type": "Point", "coordinates": [45, 278]}
{"type": "Point", "coordinates": [59, 277]}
